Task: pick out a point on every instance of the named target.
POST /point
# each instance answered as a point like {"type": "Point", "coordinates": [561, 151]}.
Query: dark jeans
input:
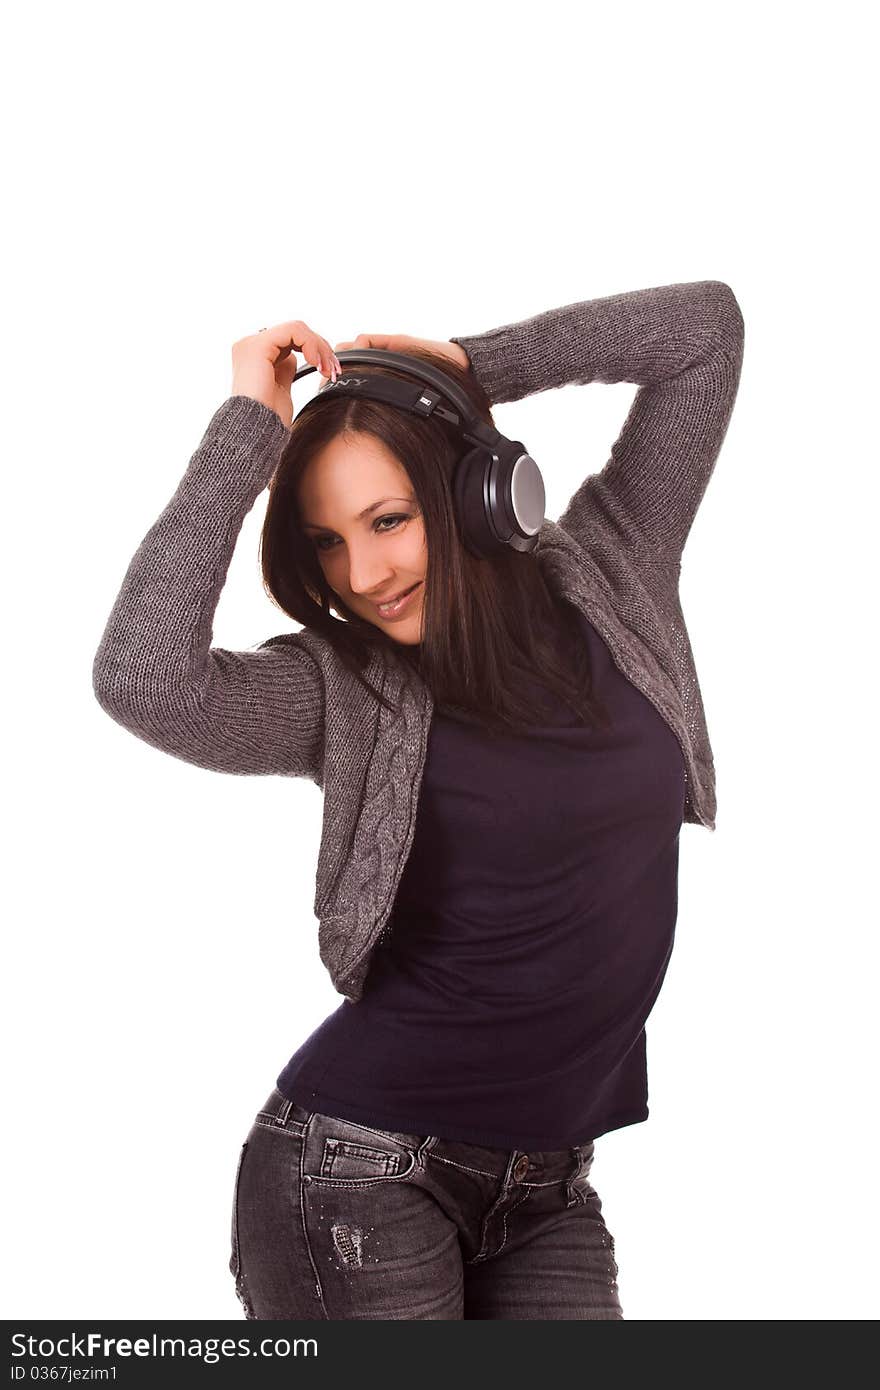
{"type": "Point", "coordinates": [333, 1219]}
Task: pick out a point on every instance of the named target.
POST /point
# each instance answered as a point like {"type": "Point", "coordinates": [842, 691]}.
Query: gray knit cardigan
{"type": "Point", "coordinates": [291, 708]}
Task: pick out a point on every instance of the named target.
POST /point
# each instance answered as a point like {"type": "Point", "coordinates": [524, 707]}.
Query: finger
{"type": "Point", "coordinates": [296, 336]}
{"type": "Point", "coordinates": [318, 352]}
{"type": "Point", "coordinates": [292, 334]}
{"type": "Point", "coordinates": [331, 361]}
{"type": "Point", "coordinates": [286, 371]}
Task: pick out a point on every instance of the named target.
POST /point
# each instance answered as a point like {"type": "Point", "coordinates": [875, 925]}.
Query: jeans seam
{"type": "Point", "coordinates": [502, 1197]}
{"type": "Point", "coordinates": [465, 1168]}
{"type": "Point", "coordinates": [238, 1271]}
{"type": "Point", "coordinates": [513, 1206]}
{"type": "Point", "coordinates": [424, 1148]}
{"type": "Point", "coordinates": [482, 1255]}
{"type": "Point", "coordinates": [303, 1219]}
{"type": "Point", "coordinates": [236, 1246]}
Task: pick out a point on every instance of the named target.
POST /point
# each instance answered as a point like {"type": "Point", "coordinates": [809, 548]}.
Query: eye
{"type": "Point", "coordinates": [327, 542]}
{"type": "Point", "coordinates": [395, 519]}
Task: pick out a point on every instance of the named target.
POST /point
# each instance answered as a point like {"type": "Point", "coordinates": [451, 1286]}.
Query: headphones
{"type": "Point", "coordinates": [497, 486]}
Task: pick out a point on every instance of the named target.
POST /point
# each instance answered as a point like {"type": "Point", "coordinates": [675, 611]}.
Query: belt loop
{"type": "Point", "coordinates": [283, 1111]}
{"type": "Point", "coordinates": [571, 1195]}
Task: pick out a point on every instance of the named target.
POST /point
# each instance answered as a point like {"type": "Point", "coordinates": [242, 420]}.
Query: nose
{"type": "Point", "coordinates": [367, 576]}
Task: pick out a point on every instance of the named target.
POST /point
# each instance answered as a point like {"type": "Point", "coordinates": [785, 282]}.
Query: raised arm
{"type": "Point", "coordinates": [155, 671]}
{"type": "Point", "coordinates": [683, 345]}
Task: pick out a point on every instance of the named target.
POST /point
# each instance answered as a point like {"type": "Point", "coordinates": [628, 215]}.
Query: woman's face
{"type": "Point", "coordinates": [360, 513]}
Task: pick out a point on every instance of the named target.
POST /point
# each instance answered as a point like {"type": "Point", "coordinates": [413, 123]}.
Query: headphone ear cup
{"type": "Point", "coordinates": [470, 507]}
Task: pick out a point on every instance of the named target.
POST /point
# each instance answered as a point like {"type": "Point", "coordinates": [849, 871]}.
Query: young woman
{"type": "Point", "coordinates": [507, 745]}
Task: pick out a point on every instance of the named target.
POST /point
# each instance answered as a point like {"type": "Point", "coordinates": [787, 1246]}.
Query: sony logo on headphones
{"type": "Point", "coordinates": [347, 381]}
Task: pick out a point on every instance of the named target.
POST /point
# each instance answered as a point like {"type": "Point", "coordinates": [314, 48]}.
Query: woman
{"type": "Point", "coordinates": [506, 759]}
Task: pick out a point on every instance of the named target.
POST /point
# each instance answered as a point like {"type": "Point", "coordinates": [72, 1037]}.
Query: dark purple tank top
{"type": "Point", "coordinates": [530, 935]}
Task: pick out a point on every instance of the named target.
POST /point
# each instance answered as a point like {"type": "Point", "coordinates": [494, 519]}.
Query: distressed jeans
{"type": "Point", "coordinates": [338, 1220]}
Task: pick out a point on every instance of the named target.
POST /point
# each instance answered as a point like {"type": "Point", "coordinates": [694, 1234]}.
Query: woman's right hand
{"type": "Point", "coordinates": [264, 364]}
{"type": "Point", "coordinates": [402, 342]}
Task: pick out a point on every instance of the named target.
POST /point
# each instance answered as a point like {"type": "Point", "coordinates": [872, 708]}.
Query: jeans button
{"type": "Point", "coordinates": [521, 1167]}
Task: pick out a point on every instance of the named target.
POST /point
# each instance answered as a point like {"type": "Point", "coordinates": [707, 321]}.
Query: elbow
{"type": "Point", "coordinates": [723, 326]}
{"type": "Point", "coordinates": [113, 694]}
{"type": "Point", "coordinates": [110, 692]}
{"type": "Point", "coordinates": [120, 688]}
{"type": "Point", "coordinates": [728, 316]}
{"type": "Point", "coordinates": [103, 685]}
{"type": "Point", "coordinates": [110, 682]}
{"type": "Point", "coordinates": [142, 706]}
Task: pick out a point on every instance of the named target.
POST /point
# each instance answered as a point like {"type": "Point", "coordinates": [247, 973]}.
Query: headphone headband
{"type": "Point", "coordinates": [498, 489]}
{"type": "Point", "coordinates": [412, 398]}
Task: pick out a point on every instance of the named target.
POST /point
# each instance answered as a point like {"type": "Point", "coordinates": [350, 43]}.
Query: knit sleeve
{"type": "Point", "coordinates": [155, 671]}
{"type": "Point", "coordinates": [683, 345]}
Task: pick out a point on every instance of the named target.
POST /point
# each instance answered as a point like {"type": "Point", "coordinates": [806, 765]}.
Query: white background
{"type": "Point", "coordinates": [179, 176]}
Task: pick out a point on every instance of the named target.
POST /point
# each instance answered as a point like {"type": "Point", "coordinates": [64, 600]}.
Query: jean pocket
{"type": "Point", "coordinates": [343, 1152]}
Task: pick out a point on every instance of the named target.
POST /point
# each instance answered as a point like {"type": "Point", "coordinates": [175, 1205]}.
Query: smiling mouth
{"type": "Point", "coordinates": [391, 606]}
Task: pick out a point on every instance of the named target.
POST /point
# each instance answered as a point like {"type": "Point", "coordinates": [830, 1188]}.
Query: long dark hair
{"type": "Point", "coordinates": [490, 626]}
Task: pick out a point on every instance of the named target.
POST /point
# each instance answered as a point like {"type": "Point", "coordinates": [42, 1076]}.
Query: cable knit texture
{"type": "Point", "coordinates": [290, 708]}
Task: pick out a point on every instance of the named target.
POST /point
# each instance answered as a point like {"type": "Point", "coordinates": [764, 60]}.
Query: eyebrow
{"type": "Point", "coordinates": [310, 525]}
